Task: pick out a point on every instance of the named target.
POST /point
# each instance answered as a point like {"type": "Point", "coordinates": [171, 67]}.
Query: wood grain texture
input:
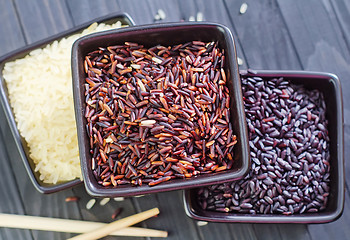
{"type": "Point", "coordinates": [319, 41]}
{"type": "Point", "coordinates": [41, 19]}
{"type": "Point", "coordinates": [82, 11]}
{"type": "Point", "coordinates": [149, 201]}
{"type": "Point", "coordinates": [347, 153]}
{"type": "Point", "coordinates": [342, 14]}
{"type": "Point", "coordinates": [188, 9]}
{"type": "Point", "coordinates": [263, 35]}
{"type": "Point", "coordinates": [171, 10]}
{"type": "Point", "coordinates": [242, 231]}
{"type": "Point", "coordinates": [212, 230]}
{"type": "Point", "coordinates": [10, 200]}
{"type": "Point", "coordinates": [294, 231]}
{"type": "Point", "coordinates": [138, 10]}
{"type": "Point", "coordinates": [172, 217]}
{"type": "Point", "coordinates": [10, 30]}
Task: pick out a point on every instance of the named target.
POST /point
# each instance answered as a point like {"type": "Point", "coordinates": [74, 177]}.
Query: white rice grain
{"type": "Point", "coordinates": [119, 199]}
{"type": "Point", "coordinates": [40, 93]}
{"type": "Point", "coordinates": [239, 61]}
{"type": "Point", "coordinates": [243, 8]}
{"type": "Point", "coordinates": [201, 223]}
{"type": "Point", "coordinates": [161, 14]}
{"type": "Point", "coordinates": [104, 201]}
{"type": "Point", "coordinates": [90, 203]}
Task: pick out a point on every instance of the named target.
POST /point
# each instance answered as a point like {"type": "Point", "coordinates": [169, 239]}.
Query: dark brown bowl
{"type": "Point", "coordinates": [330, 86]}
{"type": "Point", "coordinates": [151, 35]}
{"type": "Point", "coordinates": [19, 140]}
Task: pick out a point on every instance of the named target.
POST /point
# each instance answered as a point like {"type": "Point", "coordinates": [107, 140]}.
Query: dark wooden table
{"type": "Point", "coordinates": [272, 34]}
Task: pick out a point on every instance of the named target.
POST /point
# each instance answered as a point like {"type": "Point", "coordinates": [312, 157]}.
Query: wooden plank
{"type": "Point", "coordinates": [138, 10]}
{"type": "Point", "coordinates": [10, 201]}
{"type": "Point", "coordinates": [347, 153]}
{"type": "Point", "coordinates": [172, 216]}
{"type": "Point", "coordinates": [263, 35]}
{"type": "Point", "coordinates": [315, 23]}
{"type": "Point", "coordinates": [169, 7]}
{"type": "Point", "coordinates": [214, 230]}
{"type": "Point", "coordinates": [149, 201]}
{"type": "Point", "coordinates": [40, 20]}
{"type": "Point", "coordinates": [103, 213]}
{"type": "Point", "coordinates": [242, 231]}
{"type": "Point", "coordinates": [82, 11]}
{"type": "Point", "coordinates": [294, 231]}
{"type": "Point", "coordinates": [267, 231]}
{"type": "Point", "coordinates": [11, 36]}
{"type": "Point", "coordinates": [335, 230]}
{"type": "Point", "coordinates": [319, 41]}
{"type": "Point", "coordinates": [188, 9]}
{"type": "Point", "coordinates": [342, 11]}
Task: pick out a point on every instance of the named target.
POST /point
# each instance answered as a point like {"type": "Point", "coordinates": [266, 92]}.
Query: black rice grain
{"type": "Point", "coordinates": [289, 146]}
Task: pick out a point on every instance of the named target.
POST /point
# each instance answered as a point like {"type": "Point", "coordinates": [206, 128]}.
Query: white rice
{"type": "Point", "coordinates": [40, 93]}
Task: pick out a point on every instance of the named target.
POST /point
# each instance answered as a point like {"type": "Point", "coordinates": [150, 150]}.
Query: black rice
{"type": "Point", "coordinates": [289, 146]}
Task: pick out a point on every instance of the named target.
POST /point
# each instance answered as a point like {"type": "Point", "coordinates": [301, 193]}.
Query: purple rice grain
{"type": "Point", "coordinates": [289, 146]}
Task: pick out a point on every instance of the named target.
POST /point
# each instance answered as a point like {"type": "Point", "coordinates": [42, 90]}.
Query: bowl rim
{"type": "Point", "coordinates": [90, 184]}
{"type": "Point", "coordinates": [20, 53]}
{"type": "Point", "coordinates": [309, 218]}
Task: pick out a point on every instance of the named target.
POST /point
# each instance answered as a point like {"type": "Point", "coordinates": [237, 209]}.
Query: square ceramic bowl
{"type": "Point", "coordinates": [167, 35]}
{"type": "Point", "coordinates": [330, 86]}
{"type": "Point", "coordinates": [19, 140]}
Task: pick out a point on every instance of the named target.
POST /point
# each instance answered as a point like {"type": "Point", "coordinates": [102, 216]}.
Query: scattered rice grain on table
{"type": "Point", "coordinates": [90, 203]}
{"type": "Point", "coordinates": [119, 199]}
{"type": "Point", "coordinates": [40, 93]}
{"type": "Point", "coordinates": [104, 201]}
{"type": "Point", "coordinates": [201, 223]}
{"type": "Point", "coordinates": [243, 8]}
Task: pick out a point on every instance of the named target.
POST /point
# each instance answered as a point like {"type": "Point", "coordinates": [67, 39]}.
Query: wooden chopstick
{"type": "Point", "coordinates": [122, 223]}
{"type": "Point", "coordinates": [70, 226]}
